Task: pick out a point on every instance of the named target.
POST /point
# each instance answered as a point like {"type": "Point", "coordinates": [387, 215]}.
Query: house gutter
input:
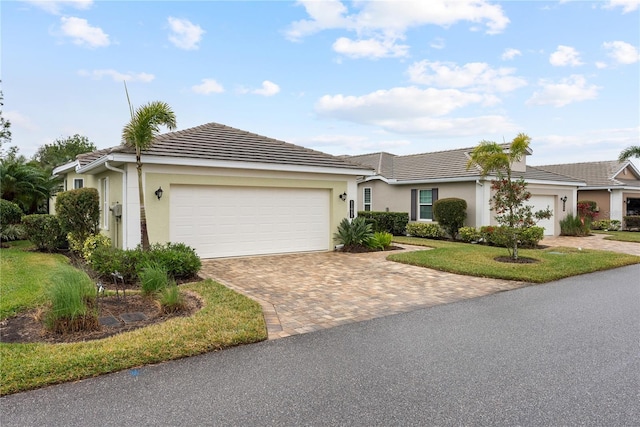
{"type": "Point", "coordinates": [124, 198]}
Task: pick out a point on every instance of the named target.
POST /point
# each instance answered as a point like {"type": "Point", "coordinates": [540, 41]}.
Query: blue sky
{"type": "Point", "coordinates": [341, 77]}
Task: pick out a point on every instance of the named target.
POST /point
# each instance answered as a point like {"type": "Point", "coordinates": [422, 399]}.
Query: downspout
{"type": "Point", "coordinates": [124, 202]}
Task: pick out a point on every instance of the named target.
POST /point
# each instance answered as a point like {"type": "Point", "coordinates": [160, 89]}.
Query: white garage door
{"type": "Point", "coordinates": [234, 221]}
{"type": "Point", "coordinates": [540, 203]}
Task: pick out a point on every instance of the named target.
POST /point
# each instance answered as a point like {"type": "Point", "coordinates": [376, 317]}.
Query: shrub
{"type": "Point", "coordinates": [531, 236]}
{"type": "Point", "coordinates": [450, 214]}
{"type": "Point", "coordinates": [11, 232]}
{"type": "Point", "coordinates": [381, 240]}
{"type": "Point", "coordinates": [171, 300]}
{"type": "Point", "coordinates": [469, 234]}
{"type": "Point", "coordinates": [180, 260]}
{"type": "Point", "coordinates": [391, 222]}
{"type": "Point", "coordinates": [632, 221]}
{"type": "Point", "coordinates": [153, 278]}
{"type": "Point", "coordinates": [79, 213]}
{"type": "Point", "coordinates": [587, 209]}
{"type": "Point", "coordinates": [92, 243]}
{"type": "Point", "coordinates": [606, 224]}
{"type": "Point", "coordinates": [573, 225]}
{"type": "Point", "coordinates": [429, 230]}
{"type": "Point", "coordinates": [72, 303]}
{"type": "Point", "coordinates": [10, 213]}
{"type": "Point", "coordinates": [44, 231]}
{"type": "Point", "coordinates": [353, 233]}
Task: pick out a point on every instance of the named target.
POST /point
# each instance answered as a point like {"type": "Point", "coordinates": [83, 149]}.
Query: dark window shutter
{"type": "Point", "coordinates": [434, 195]}
{"type": "Point", "coordinates": [414, 204]}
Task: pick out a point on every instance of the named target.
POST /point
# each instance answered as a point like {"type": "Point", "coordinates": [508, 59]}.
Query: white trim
{"type": "Point", "coordinates": [104, 202]}
{"type": "Point", "coordinates": [364, 199]}
{"type": "Point", "coordinates": [123, 202]}
{"type": "Point", "coordinates": [425, 204]}
{"type": "Point", "coordinates": [74, 183]}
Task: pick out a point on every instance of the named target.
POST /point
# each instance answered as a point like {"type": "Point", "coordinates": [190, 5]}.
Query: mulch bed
{"type": "Point", "coordinates": [360, 249]}
{"type": "Point", "coordinates": [520, 260]}
{"type": "Point", "coordinates": [29, 327]}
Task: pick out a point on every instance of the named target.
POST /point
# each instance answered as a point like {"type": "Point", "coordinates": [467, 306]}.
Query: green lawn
{"type": "Point", "coordinates": [479, 260]}
{"type": "Point", "coordinates": [227, 319]}
{"type": "Point", "coordinates": [622, 236]}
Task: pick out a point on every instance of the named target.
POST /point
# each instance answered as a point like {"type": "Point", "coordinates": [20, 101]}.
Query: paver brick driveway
{"type": "Point", "coordinates": [301, 293]}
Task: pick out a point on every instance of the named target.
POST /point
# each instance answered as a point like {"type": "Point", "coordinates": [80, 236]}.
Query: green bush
{"type": "Point", "coordinates": [79, 213]}
{"type": "Point", "coordinates": [606, 224]}
{"type": "Point", "coordinates": [428, 230]}
{"type": "Point", "coordinates": [92, 243]}
{"type": "Point", "coordinates": [573, 225]}
{"type": "Point", "coordinates": [531, 236]}
{"type": "Point", "coordinates": [10, 213]}
{"type": "Point", "coordinates": [72, 296]}
{"type": "Point", "coordinates": [632, 221]}
{"type": "Point", "coordinates": [171, 300]}
{"type": "Point", "coordinates": [469, 234]}
{"type": "Point", "coordinates": [44, 231]}
{"type": "Point", "coordinates": [353, 233]}
{"type": "Point", "coordinates": [381, 240]}
{"type": "Point", "coordinates": [450, 214]}
{"type": "Point", "coordinates": [180, 260]}
{"type": "Point", "coordinates": [153, 278]}
{"type": "Point", "coordinates": [391, 222]}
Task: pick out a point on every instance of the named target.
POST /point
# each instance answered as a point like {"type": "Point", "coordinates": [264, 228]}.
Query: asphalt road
{"type": "Point", "coordinates": [565, 353]}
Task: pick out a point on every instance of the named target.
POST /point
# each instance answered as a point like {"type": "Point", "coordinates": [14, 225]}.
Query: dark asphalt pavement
{"type": "Point", "coordinates": [565, 353]}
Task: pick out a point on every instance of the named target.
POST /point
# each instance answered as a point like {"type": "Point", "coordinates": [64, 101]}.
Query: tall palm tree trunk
{"type": "Point", "coordinates": [144, 234]}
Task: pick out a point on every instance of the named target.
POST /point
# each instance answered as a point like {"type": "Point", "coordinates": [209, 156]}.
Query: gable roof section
{"type": "Point", "coordinates": [441, 166]}
{"type": "Point", "coordinates": [597, 174]}
{"type": "Point", "coordinates": [219, 143]}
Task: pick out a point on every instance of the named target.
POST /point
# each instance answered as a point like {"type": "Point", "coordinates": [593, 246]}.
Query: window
{"type": "Point", "coordinates": [78, 183]}
{"type": "Point", "coordinates": [367, 199]}
{"type": "Point", "coordinates": [425, 205]}
{"type": "Point", "coordinates": [104, 202]}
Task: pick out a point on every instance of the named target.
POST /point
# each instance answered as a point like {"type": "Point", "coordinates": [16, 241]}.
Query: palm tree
{"type": "Point", "coordinates": [28, 186]}
{"type": "Point", "coordinates": [139, 133]}
{"type": "Point", "coordinates": [629, 152]}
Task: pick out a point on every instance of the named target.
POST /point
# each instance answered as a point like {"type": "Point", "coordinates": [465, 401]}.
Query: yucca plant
{"type": "Point", "coordinates": [73, 307]}
{"type": "Point", "coordinates": [353, 233]}
{"type": "Point", "coordinates": [153, 278]}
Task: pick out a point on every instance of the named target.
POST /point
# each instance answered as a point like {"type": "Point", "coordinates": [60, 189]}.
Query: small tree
{"type": "Point", "coordinates": [450, 214]}
{"type": "Point", "coordinates": [509, 194]}
{"type": "Point", "coordinates": [79, 213]}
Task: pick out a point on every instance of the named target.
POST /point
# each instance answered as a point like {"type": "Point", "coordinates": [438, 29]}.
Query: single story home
{"type": "Point", "coordinates": [613, 185]}
{"type": "Point", "coordinates": [223, 191]}
{"type": "Point", "coordinates": [412, 183]}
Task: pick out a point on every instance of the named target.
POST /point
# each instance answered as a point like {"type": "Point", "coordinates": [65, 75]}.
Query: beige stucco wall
{"type": "Point", "coordinates": [158, 211]}
{"type": "Point", "coordinates": [602, 199]}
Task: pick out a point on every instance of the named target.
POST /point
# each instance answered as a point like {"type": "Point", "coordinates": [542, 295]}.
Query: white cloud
{"type": "Point", "coordinates": [510, 53]}
{"type": "Point", "coordinates": [184, 34]}
{"type": "Point", "coordinates": [118, 76]}
{"type": "Point", "coordinates": [268, 89]}
{"type": "Point", "coordinates": [475, 75]}
{"type": "Point", "coordinates": [55, 6]}
{"type": "Point", "coordinates": [19, 120]}
{"type": "Point", "coordinates": [207, 87]}
{"type": "Point", "coordinates": [369, 48]}
{"type": "Point", "coordinates": [82, 33]}
{"type": "Point", "coordinates": [621, 52]}
{"type": "Point", "coordinates": [627, 5]}
{"type": "Point", "coordinates": [387, 21]}
{"type": "Point", "coordinates": [567, 91]}
{"type": "Point", "coordinates": [565, 55]}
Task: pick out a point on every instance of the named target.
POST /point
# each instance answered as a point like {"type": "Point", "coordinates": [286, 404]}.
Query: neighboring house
{"type": "Point", "coordinates": [614, 186]}
{"type": "Point", "coordinates": [413, 183]}
{"type": "Point", "coordinates": [221, 190]}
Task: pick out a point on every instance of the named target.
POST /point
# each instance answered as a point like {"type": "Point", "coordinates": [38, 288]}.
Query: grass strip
{"type": "Point", "coordinates": [227, 319]}
{"type": "Point", "coordinates": [479, 260]}
{"type": "Point", "coordinates": [620, 236]}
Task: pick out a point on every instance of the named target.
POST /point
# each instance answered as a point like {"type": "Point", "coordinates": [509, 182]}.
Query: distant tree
{"type": "Point", "coordinates": [629, 152]}
{"type": "Point", "coordinates": [509, 194]}
{"type": "Point", "coordinates": [62, 150]}
{"type": "Point", "coordinates": [5, 125]}
{"type": "Point", "coordinates": [139, 134]}
{"type": "Point", "coordinates": [24, 184]}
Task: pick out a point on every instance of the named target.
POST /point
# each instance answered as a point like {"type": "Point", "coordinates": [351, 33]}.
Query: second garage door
{"type": "Point", "coordinates": [235, 221]}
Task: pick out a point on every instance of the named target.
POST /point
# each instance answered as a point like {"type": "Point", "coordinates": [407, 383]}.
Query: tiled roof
{"type": "Point", "coordinates": [86, 158]}
{"type": "Point", "coordinates": [214, 141]}
{"type": "Point", "coordinates": [451, 164]}
{"type": "Point", "coordinates": [595, 174]}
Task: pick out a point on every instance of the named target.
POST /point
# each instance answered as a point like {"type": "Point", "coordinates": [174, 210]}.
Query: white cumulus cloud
{"type": "Point", "coordinates": [369, 48]}
{"type": "Point", "coordinates": [184, 34]}
{"type": "Point", "coordinates": [510, 53]}
{"type": "Point", "coordinates": [622, 52]}
{"type": "Point", "coordinates": [118, 76]}
{"type": "Point", "coordinates": [565, 56]}
{"type": "Point", "coordinates": [207, 87]}
{"type": "Point", "coordinates": [478, 76]}
{"type": "Point", "coordinates": [626, 5]}
{"type": "Point", "coordinates": [55, 6]}
{"type": "Point", "coordinates": [567, 91]}
{"type": "Point", "coordinates": [268, 89]}
{"type": "Point", "coordinates": [82, 33]}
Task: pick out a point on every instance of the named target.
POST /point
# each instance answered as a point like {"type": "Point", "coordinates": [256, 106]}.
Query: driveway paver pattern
{"type": "Point", "coordinates": [307, 292]}
{"type": "Point", "coordinates": [596, 241]}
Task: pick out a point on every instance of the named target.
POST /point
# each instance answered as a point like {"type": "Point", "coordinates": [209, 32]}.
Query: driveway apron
{"type": "Point", "coordinates": [307, 292]}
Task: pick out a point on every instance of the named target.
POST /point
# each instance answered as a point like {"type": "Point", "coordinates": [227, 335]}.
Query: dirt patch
{"type": "Point", "coordinates": [29, 327]}
{"type": "Point", "coordinates": [359, 249]}
{"type": "Point", "coordinates": [520, 260]}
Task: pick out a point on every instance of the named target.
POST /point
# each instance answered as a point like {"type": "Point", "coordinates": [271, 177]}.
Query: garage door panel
{"type": "Point", "coordinates": [539, 203]}
{"type": "Point", "coordinates": [235, 221]}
